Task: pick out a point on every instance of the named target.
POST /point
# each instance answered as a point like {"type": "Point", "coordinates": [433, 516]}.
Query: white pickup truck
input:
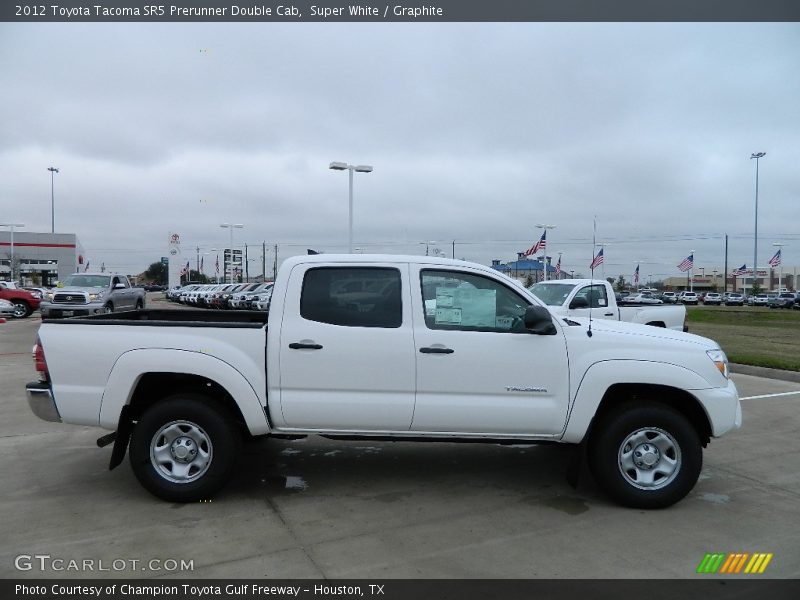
{"type": "Point", "coordinates": [580, 297]}
{"type": "Point", "coordinates": [181, 389]}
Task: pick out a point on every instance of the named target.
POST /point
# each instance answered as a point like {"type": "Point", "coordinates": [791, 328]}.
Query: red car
{"type": "Point", "coordinates": [24, 302]}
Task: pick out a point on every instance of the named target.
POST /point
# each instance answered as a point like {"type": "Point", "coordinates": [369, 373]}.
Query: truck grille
{"type": "Point", "coordinates": [70, 298]}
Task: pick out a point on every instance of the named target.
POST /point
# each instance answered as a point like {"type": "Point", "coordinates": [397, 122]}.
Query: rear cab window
{"type": "Point", "coordinates": [353, 296]}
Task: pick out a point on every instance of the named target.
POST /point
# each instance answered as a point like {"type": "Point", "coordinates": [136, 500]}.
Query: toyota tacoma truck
{"type": "Point", "coordinates": [84, 294]}
{"type": "Point", "coordinates": [428, 349]}
{"type": "Point", "coordinates": [580, 297]}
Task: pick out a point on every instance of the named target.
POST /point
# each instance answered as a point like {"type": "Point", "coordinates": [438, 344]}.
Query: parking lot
{"type": "Point", "coordinates": [325, 509]}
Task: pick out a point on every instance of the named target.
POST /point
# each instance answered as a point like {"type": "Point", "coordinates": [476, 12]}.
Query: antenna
{"type": "Point", "coordinates": [591, 281]}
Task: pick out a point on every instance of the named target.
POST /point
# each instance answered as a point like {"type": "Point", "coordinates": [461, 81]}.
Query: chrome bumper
{"type": "Point", "coordinates": [40, 399]}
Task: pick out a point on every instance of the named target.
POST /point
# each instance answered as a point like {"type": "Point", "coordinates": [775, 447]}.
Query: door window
{"type": "Point", "coordinates": [595, 295]}
{"type": "Point", "coordinates": [352, 296]}
{"type": "Point", "coordinates": [467, 302]}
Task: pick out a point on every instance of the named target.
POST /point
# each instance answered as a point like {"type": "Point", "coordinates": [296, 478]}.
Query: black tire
{"type": "Point", "coordinates": [109, 308]}
{"type": "Point", "coordinates": [211, 422]}
{"type": "Point", "coordinates": [661, 436]}
{"type": "Point", "coordinates": [139, 304]}
{"type": "Point", "coordinates": [21, 309]}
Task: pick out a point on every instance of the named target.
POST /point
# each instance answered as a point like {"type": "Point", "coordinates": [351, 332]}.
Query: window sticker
{"type": "Point", "coordinates": [448, 316]}
{"type": "Point", "coordinates": [467, 306]}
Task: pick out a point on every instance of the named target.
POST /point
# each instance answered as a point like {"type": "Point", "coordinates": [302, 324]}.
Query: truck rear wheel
{"type": "Point", "coordinates": [645, 455]}
{"type": "Point", "coordinates": [184, 448]}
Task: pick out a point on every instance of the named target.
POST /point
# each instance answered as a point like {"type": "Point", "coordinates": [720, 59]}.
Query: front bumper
{"type": "Point", "coordinates": [40, 399]}
{"type": "Point", "coordinates": [57, 311]}
{"type": "Point", "coordinates": [722, 407]}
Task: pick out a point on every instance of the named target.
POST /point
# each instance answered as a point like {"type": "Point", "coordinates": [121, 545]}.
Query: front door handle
{"type": "Point", "coordinates": [430, 350]}
{"type": "Point", "coordinates": [299, 346]}
{"type": "Point", "coordinates": [608, 315]}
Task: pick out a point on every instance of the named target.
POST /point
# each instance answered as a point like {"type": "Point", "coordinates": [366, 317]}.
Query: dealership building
{"type": "Point", "coordinates": [39, 258]}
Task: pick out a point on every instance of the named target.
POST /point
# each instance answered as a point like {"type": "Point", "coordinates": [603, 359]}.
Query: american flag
{"type": "Point", "coordinates": [201, 264]}
{"type": "Point", "coordinates": [740, 271]}
{"type": "Point", "coordinates": [598, 260]}
{"type": "Point", "coordinates": [185, 270]}
{"type": "Point", "coordinates": [636, 275]}
{"type": "Point", "coordinates": [687, 263]}
{"type": "Point", "coordinates": [538, 246]}
{"type": "Point", "coordinates": [558, 266]}
{"type": "Point", "coordinates": [775, 261]}
{"type": "Point", "coordinates": [86, 268]}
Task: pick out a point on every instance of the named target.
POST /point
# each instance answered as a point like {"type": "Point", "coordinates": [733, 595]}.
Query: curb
{"type": "Point", "coordinates": [765, 372]}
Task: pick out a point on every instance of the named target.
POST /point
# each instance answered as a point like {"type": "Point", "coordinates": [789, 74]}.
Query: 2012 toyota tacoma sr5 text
{"type": "Point", "coordinates": [388, 347]}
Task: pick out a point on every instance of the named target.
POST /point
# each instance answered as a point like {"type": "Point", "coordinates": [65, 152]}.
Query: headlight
{"type": "Point", "coordinates": [50, 296]}
{"type": "Point", "coordinates": [93, 297]}
{"type": "Point", "coordinates": [719, 358]}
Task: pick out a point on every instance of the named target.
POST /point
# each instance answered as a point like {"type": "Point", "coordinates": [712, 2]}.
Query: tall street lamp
{"type": "Point", "coordinates": [340, 166]}
{"type": "Point", "coordinates": [544, 249]}
{"type": "Point", "coordinates": [231, 227]}
{"type": "Point", "coordinates": [11, 226]}
{"type": "Point", "coordinates": [756, 155]}
{"type": "Point", "coordinates": [53, 171]}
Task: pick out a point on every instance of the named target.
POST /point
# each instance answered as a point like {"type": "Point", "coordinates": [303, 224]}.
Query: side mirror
{"type": "Point", "coordinates": [579, 302]}
{"type": "Point", "coordinates": [119, 286]}
{"type": "Point", "coordinates": [538, 321]}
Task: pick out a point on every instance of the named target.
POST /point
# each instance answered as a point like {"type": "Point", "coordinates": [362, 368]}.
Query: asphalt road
{"type": "Point", "coordinates": [318, 508]}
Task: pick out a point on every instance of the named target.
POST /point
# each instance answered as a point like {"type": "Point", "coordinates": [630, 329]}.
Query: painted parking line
{"type": "Point", "coordinates": [771, 395]}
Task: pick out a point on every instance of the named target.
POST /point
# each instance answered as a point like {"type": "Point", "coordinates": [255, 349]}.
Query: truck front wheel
{"type": "Point", "coordinates": [645, 455]}
{"type": "Point", "coordinates": [183, 448]}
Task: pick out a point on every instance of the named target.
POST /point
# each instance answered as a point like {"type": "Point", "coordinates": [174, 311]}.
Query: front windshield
{"type": "Point", "coordinates": [86, 281]}
{"type": "Point", "coordinates": [552, 294]}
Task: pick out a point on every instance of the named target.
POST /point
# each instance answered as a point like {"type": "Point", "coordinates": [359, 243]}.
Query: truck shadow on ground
{"type": "Point", "coordinates": [390, 472]}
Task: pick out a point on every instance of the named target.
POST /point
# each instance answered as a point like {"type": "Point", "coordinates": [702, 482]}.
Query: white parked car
{"type": "Point", "coordinates": [6, 309]}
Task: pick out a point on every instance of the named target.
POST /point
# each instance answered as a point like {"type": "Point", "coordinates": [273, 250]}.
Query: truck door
{"type": "Point", "coordinates": [596, 297]}
{"type": "Point", "coordinates": [346, 349]}
{"type": "Point", "coordinates": [478, 369]}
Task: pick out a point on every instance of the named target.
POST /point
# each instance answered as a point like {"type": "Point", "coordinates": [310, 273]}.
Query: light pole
{"type": "Point", "coordinates": [231, 227]}
{"type": "Point", "coordinates": [780, 265]}
{"type": "Point", "coordinates": [11, 226]}
{"type": "Point", "coordinates": [340, 166]}
{"type": "Point", "coordinates": [53, 171]}
{"type": "Point", "coordinates": [756, 155]}
{"type": "Point", "coordinates": [544, 249]}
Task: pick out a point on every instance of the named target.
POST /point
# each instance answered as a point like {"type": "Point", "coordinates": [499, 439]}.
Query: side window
{"type": "Point", "coordinates": [595, 295]}
{"type": "Point", "coordinates": [352, 296]}
{"type": "Point", "coordinates": [466, 302]}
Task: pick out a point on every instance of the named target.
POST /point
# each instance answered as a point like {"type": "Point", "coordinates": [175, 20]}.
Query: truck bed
{"type": "Point", "coordinates": [186, 318]}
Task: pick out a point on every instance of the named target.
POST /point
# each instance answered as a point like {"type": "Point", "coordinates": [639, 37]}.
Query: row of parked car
{"type": "Point", "coordinates": [18, 301]}
{"type": "Point", "coordinates": [226, 296]}
{"type": "Point", "coordinates": [772, 300]}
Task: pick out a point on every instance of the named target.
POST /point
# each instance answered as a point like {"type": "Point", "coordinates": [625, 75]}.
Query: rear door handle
{"type": "Point", "coordinates": [430, 350]}
{"type": "Point", "coordinates": [608, 315]}
{"type": "Point", "coordinates": [299, 346]}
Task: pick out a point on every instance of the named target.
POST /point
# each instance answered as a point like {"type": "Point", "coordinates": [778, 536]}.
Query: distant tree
{"type": "Point", "coordinates": [610, 280]}
{"type": "Point", "coordinates": [756, 289]}
{"type": "Point", "coordinates": [529, 280]}
{"type": "Point", "coordinates": [196, 277]}
{"type": "Point", "coordinates": [157, 273]}
{"type": "Point", "coordinates": [620, 284]}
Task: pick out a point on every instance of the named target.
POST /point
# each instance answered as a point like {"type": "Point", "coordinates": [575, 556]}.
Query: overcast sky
{"type": "Point", "coordinates": [477, 132]}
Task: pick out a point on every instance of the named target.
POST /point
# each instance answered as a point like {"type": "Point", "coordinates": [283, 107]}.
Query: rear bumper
{"type": "Point", "coordinates": [40, 399]}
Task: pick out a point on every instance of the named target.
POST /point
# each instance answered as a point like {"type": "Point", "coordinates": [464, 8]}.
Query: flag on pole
{"type": "Point", "coordinates": [558, 266]}
{"type": "Point", "coordinates": [636, 276]}
{"type": "Point", "coordinates": [86, 268]}
{"type": "Point", "coordinates": [740, 271]}
{"type": "Point", "coordinates": [538, 246]}
{"type": "Point", "coordinates": [185, 270]}
{"type": "Point", "coordinates": [775, 261]}
{"type": "Point", "coordinates": [687, 263]}
{"type": "Point", "coordinates": [598, 260]}
{"type": "Point", "coordinates": [201, 264]}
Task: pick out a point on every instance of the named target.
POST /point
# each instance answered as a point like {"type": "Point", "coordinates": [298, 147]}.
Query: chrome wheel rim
{"type": "Point", "coordinates": [181, 452]}
{"type": "Point", "coordinates": [649, 458]}
{"type": "Point", "coordinates": [20, 310]}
